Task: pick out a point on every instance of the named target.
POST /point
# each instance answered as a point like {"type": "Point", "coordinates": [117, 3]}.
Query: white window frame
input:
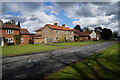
{"type": "Point", "coordinates": [9, 31]}
{"type": "Point", "coordinates": [22, 39]}
{"type": "Point", "coordinates": [66, 32]}
{"type": "Point", "coordinates": [9, 40]}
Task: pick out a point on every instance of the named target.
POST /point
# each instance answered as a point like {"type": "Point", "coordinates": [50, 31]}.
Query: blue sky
{"type": "Point", "coordinates": [34, 15]}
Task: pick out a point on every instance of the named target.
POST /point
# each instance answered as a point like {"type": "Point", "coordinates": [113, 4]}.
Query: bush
{"type": "Point", "coordinates": [62, 39]}
{"type": "Point", "coordinates": [31, 41]}
{"type": "Point", "coordinates": [17, 39]}
{"type": "Point", "coordinates": [76, 39]}
{"type": "Point", "coordinates": [4, 40]}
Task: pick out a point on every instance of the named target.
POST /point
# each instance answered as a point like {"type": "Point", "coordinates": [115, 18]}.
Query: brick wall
{"type": "Point", "coordinates": [15, 32]}
{"type": "Point", "coordinates": [51, 35]}
{"type": "Point", "coordinates": [25, 40]}
{"type": "Point", "coordinates": [38, 40]}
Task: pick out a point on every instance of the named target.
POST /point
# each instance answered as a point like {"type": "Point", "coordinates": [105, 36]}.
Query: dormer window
{"type": "Point", "coordinates": [9, 31]}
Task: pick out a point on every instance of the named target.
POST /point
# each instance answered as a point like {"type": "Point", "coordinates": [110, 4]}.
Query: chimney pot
{"type": "Point", "coordinates": [55, 23]}
{"type": "Point", "coordinates": [63, 25]}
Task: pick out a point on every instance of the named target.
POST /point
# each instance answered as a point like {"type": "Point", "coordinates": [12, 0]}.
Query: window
{"type": "Point", "coordinates": [22, 39]}
{"type": "Point", "coordinates": [9, 31]}
{"type": "Point", "coordinates": [9, 40]}
{"type": "Point", "coordinates": [57, 32]}
{"type": "Point", "coordinates": [66, 32]}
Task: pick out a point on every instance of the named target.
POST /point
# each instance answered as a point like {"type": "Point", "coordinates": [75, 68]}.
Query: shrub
{"type": "Point", "coordinates": [31, 41]}
{"type": "Point", "coordinates": [62, 39]}
{"type": "Point", "coordinates": [17, 39]}
{"type": "Point", "coordinates": [4, 40]}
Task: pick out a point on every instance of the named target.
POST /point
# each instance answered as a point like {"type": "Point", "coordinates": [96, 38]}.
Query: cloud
{"type": "Point", "coordinates": [31, 15]}
{"type": "Point", "coordinates": [34, 15]}
{"type": "Point", "coordinates": [76, 10]}
{"type": "Point", "coordinates": [103, 21]}
{"type": "Point", "coordinates": [16, 18]}
{"type": "Point", "coordinates": [93, 14]}
{"type": "Point", "coordinates": [20, 6]}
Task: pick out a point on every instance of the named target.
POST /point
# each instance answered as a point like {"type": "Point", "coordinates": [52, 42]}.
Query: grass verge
{"type": "Point", "coordinates": [103, 65]}
{"type": "Point", "coordinates": [27, 48]}
{"type": "Point", "coordinates": [76, 43]}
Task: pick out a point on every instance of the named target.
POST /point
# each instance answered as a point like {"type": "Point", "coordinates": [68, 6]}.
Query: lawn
{"type": "Point", "coordinates": [76, 43]}
{"type": "Point", "coordinates": [101, 66]}
{"type": "Point", "coordinates": [27, 48]}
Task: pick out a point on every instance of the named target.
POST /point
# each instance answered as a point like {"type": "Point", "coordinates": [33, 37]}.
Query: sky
{"type": "Point", "coordinates": [34, 15]}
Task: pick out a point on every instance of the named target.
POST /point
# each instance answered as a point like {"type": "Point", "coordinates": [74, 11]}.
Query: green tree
{"type": "Point", "coordinates": [115, 34]}
{"type": "Point", "coordinates": [10, 22]}
{"type": "Point", "coordinates": [18, 24]}
{"type": "Point", "coordinates": [106, 33]}
{"type": "Point", "coordinates": [85, 29]}
{"type": "Point", "coordinates": [78, 27]}
{"type": "Point", "coordinates": [98, 29]}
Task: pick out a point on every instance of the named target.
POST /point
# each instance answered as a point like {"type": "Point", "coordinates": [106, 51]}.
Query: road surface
{"type": "Point", "coordinates": [36, 66]}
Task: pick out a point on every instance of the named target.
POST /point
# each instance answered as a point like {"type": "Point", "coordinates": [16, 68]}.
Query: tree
{"type": "Point", "coordinates": [11, 22]}
{"type": "Point", "coordinates": [78, 27]}
{"type": "Point", "coordinates": [85, 29]}
{"type": "Point", "coordinates": [115, 34]}
{"type": "Point", "coordinates": [18, 24]}
{"type": "Point", "coordinates": [98, 29]}
{"type": "Point", "coordinates": [106, 33]}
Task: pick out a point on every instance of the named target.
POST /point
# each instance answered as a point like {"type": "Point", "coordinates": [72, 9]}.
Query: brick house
{"type": "Point", "coordinates": [53, 33]}
{"type": "Point", "coordinates": [83, 36]}
{"type": "Point", "coordinates": [25, 36]}
{"type": "Point", "coordinates": [8, 31]}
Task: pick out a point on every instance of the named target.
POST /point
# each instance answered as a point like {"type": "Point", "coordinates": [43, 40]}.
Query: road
{"type": "Point", "coordinates": [36, 66]}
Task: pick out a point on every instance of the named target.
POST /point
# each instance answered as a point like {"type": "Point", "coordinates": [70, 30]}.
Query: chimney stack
{"type": "Point", "coordinates": [63, 25]}
{"type": "Point", "coordinates": [56, 24]}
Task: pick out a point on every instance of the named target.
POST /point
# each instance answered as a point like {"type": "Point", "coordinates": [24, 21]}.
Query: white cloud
{"type": "Point", "coordinates": [33, 13]}
{"type": "Point", "coordinates": [103, 21]}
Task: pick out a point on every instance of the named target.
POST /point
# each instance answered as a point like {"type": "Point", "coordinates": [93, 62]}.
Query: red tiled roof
{"type": "Point", "coordinates": [56, 28]}
{"type": "Point", "coordinates": [9, 26]}
{"type": "Point", "coordinates": [80, 33]}
{"type": "Point", "coordinates": [88, 32]}
{"type": "Point", "coordinates": [40, 29]}
{"type": "Point", "coordinates": [24, 31]}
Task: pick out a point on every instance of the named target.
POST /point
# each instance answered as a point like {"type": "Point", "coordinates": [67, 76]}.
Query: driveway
{"type": "Point", "coordinates": [36, 66]}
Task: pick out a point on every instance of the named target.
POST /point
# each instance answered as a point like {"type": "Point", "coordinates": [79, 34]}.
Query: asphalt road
{"type": "Point", "coordinates": [36, 66]}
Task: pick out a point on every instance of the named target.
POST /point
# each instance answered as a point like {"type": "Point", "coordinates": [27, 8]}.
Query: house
{"type": "Point", "coordinates": [81, 36]}
{"type": "Point", "coordinates": [8, 33]}
{"type": "Point", "coordinates": [25, 36]}
{"type": "Point", "coordinates": [94, 35]}
{"type": "Point", "coordinates": [53, 33]}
